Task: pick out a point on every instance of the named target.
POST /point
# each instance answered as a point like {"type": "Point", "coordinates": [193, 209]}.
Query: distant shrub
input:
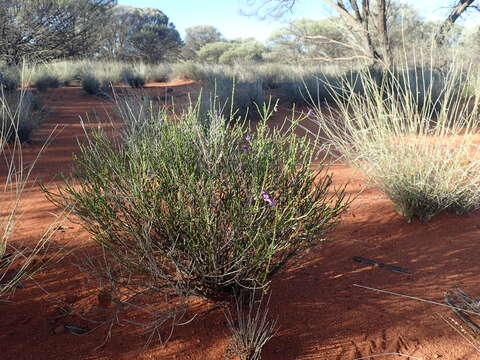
{"type": "Point", "coordinates": [135, 80]}
{"type": "Point", "coordinates": [106, 72]}
{"type": "Point", "coordinates": [160, 73]}
{"type": "Point", "coordinates": [231, 97]}
{"type": "Point", "coordinates": [199, 203]}
{"type": "Point", "coordinates": [46, 81]}
{"type": "Point", "coordinates": [18, 115]}
{"type": "Point", "coordinates": [272, 75]}
{"type": "Point", "coordinates": [187, 71]}
{"type": "Point", "coordinates": [309, 88]}
{"type": "Point", "coordinates": [91, 84]}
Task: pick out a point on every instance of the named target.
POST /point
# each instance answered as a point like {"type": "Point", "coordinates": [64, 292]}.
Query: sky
{"type": "Point", "coordinates": [225, 14]}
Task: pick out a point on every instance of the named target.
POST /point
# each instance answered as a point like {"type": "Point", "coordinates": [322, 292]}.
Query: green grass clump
{"type": "Point", "coordinates": [414, 139]}
{"type": "Point", "coordinates": [199, 203]}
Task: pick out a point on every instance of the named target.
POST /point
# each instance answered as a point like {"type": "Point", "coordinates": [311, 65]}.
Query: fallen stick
{"type": "Point", "coordinates": [393, 268]}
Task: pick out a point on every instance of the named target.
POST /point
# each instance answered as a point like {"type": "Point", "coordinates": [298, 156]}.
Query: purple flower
{"type": "Point", "coordinates": [310, 112]}
{"type": "Point", "coordinates": [249, 138]}
{"type": "Point", "coordinates": [271, 202]}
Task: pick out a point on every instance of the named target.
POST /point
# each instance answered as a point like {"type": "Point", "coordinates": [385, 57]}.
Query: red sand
{"type": "Point", "coordinates": [321, 314]}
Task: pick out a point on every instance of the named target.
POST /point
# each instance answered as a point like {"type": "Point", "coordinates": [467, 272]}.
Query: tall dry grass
{"type": "Point", "coordinates": [414, 137]}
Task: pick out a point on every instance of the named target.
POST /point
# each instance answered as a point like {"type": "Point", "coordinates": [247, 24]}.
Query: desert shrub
{"type": "Point", "coordinates": [416, 146]}
{"type": "Point", "coordinates": [19, 115]}
{"type": "Point", "coordinates": [65, 71]}
{"type": "Point", "coordinates": [45, 82]}
{"type": "Point", "coordinates": [160, 73]}
{"type": "Point", "coordinates": [199, 203]}
{"type": "Point", "coordinates": [93, 86]}
{"type": "Point", "coordinates": [272, 75]}
{"type": "Point", "coordinates": [188, 71]}
{"type": "Point", "coordinates": [90, 84]}
{"type": "Point", "coordinates": [308, 88]}
{"type": "Point", "coordinates": [312, 86]}
{"type": "Point", "coordinates": [134, 79]}
{"type": "Point", "coordinates": [106, 72]}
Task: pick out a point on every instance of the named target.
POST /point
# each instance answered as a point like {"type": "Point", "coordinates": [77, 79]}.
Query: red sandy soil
{"type": "Point", "coordinates": [321, 315]}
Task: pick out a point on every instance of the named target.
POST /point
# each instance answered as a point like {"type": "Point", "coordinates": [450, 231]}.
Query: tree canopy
{"type": "Point", "coordinates": [141, 34]}
{"type": "Point", "coordinates": [196, 37]}
{"type": "Point", "coordinates": [49, 29]}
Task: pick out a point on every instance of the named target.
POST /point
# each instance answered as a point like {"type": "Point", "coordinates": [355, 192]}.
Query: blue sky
{"type": "Point", "coordinates": [225, 14]}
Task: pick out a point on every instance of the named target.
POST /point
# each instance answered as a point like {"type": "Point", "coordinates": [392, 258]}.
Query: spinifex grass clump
{"type": "Point", "coordinates": [199, 204]}
{"type": "Point", "coordinates": [91, 85]}
{"type": "Point", "coordinates": [133, 79]}
{"type": "Point", "coordinates": [43, 83]}
{"type": "Point", "coordinates": [19, 115]}
{"type": "Point", "coordinates": [413, 139]}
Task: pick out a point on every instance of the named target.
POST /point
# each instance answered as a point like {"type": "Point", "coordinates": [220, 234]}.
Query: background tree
{"type": "Point", "coordinates": [211, 52]}
{"type": "Point", "coordinates": [49, 29]}
{"type": "Point", "coordinates": [306, 40]}
{"type": "Point", "coordinates": [196, 37]}
{"type": "Point", "coordinates": [141, 34]}
{"type": "Point", "coordinates": [365, 20]}
{"type": "Point", "coordinates": [369, 26]}
{"type": "Point", "coordinates": [242, 51]}
{"type": "Point", "coordinates": [234, 51]}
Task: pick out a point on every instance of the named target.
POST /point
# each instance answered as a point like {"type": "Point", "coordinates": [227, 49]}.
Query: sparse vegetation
{"type": "Point", "coordinates": [250, 327]}
{"type": "Point", "coordinates": [20, 112]}
{"type": "Point", "coordinates": [414, 140]}
{"type": "Point", "coordinates": [45, 82]}
{"type": "Point", "coordinates": [17, 261]}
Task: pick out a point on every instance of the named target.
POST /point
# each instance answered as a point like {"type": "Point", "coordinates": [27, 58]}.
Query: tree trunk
{"type": "Point", "coordinates": [383, 33]}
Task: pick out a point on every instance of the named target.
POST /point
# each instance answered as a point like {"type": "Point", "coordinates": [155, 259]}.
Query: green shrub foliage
{"type": "Point", "coordinates": [199, 203]}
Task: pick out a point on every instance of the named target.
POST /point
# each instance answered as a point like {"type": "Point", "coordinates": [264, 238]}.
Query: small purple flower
{"type": "Point", "coordinates": [271, 202]}
{"type": "Point", "coordinates": [310, 112]}
{"type": "Point", "coordinates": [249, 138]}
{"type": "Point", "coordinates": [244, 148]}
